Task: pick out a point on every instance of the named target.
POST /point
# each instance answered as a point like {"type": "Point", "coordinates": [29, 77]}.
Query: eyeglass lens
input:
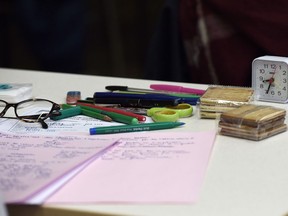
{"type": "Point", "coordinates": [34, 110]}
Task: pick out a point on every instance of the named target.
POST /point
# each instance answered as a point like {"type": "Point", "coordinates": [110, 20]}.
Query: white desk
{"type": "Point", "coordinates": [244, 178]}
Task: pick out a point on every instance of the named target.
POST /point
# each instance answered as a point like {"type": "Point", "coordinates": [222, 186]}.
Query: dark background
{"type": "Point", "coordinates": [101, 37]}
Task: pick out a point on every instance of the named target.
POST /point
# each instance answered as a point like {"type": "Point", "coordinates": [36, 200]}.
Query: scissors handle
{"type": "Point", "coordinates": [173, 113]}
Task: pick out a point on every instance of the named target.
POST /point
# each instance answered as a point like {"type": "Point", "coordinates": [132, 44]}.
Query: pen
{"type": "Point", "coordinates": [174, 88]}
{"type": "Point", "coordinates": [144, 100]}
{"type": "Point", "coordinates": [114, 116]}
{"type": "Point", "coordinates": [158, 88]}
{"type": "Point", "coordinates": [134, 128]}
{"type": "Point", "coordinates": [140, 118]}
{"type": "Point", "coordinates": [142, 103]}
{"type": "Point", "coordinates": [126, 88]}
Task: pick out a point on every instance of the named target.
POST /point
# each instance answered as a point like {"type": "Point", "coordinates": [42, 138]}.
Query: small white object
{"type": "Point", "coordinates": [15, 92]}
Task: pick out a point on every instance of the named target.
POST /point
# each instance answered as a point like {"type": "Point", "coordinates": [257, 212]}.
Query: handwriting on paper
{"type": "Point", "coordinates": [30, 163]}
{"type": "Point", "coordinates": [147, 147]}
{"type": "Point", "coordinates": [144, 168]}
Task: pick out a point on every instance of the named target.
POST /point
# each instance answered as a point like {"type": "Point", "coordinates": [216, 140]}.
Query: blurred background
{"type": "Point", "coordinates": [101, 37]}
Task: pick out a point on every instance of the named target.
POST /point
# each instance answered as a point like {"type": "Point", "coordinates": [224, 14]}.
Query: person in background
{"type": "Point", "coordinates": [215, 41]}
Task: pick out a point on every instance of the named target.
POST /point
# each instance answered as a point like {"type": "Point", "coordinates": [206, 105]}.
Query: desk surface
{"type": "Point", "coordinates": [243, 177]}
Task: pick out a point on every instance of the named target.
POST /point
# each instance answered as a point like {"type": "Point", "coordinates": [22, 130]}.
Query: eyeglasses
{"type": "Point", "coordinates": [31, 110]}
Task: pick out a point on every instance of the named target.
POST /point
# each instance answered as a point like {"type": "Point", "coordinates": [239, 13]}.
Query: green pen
{"type": "Point", "coordinates": [134, 128]}
{"type": "Point", "coordinates": [114, 116]}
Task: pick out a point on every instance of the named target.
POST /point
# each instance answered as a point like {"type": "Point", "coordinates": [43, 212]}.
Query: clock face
{"type": "Point", "coordinates": [270, 80]}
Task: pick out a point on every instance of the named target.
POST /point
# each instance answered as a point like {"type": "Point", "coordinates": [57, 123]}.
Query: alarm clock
{"type": "Point", "coordinates": [270, 78]}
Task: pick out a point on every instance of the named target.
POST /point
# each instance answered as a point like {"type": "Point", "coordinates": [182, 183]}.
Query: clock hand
{"type": "Point", "coordinates": [271, 80]}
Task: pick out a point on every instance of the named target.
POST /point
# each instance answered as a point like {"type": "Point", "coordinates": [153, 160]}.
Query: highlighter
{"type": "Point", "coordinates": [66, 113]}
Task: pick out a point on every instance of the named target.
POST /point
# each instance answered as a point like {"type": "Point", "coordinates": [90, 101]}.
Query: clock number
{"type": "Point", "coordinates": [284, 88]}
{"type": "Point", "coordinates": [284, 73]}
{"type": "Point", "coordinates": [284, 80]}
{"type": "Point", "coordinates": [261, 78]}
{"type": "Point", "coordinates": [265, 65]}
{"type": "Point", "coordinates": [273, 66]}
{"type": "Point", "coordinates": [261, 86]}
{"type": "Point", "coordinates": [262, 71]}
{"type": "Point", "coordinates": [279, 93]}
{"type": "Point", "coordinates": [272, 93]}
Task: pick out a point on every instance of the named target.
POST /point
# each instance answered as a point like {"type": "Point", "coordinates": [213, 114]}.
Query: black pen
{"type": "Point", "coordinates": [126, 88]}
{"type": "Point", "coordinates": [144, 103]}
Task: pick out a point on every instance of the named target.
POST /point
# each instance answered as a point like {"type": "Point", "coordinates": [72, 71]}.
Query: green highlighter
{"type": "Point", "coordinates": [66, 113]}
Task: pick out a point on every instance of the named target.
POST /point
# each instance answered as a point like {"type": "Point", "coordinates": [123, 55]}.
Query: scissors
{"type": "Point", "coordinates": [170, 113]}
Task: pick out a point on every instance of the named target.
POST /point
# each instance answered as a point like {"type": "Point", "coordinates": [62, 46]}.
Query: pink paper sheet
{"type": "Point", "coordinates": [145, 168]}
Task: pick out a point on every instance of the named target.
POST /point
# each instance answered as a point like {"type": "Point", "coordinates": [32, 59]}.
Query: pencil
{"type": "Point", "coordinates": [95, 115]}
{"type": "Point", "coordinates": [140, 118]}
{"type": "Point", "coordinates": [114, 116]}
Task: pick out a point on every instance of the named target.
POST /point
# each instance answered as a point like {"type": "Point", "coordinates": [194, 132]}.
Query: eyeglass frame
{"type": "Point", "coordinates": [55, 107]}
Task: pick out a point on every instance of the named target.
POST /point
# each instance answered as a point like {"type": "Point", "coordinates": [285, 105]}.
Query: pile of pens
{"type": "Point", "coordinates": [123, 97]}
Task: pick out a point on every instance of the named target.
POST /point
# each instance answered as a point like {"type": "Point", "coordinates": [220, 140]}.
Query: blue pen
{"type": "Point", "coordinates": [101, 95]}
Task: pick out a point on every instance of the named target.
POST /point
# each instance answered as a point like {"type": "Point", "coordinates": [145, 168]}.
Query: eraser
{"type": "Point", "coordinates": [73, 97]}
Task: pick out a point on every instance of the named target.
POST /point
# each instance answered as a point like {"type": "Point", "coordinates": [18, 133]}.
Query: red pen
{"type": "Point", "coordinates": [140, 118]}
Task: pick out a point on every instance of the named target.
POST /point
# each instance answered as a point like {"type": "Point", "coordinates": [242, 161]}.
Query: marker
{"type": "Point", "coordinates": [145, 100]}
{"type": "Point", "coordinates": [134, 128]}
{"type": "Point", "coordinates": [134, 102]}
{"type": "Point", "coordinates": [66, 113]}
{"type": "Point", "coordinates": [174, 88]}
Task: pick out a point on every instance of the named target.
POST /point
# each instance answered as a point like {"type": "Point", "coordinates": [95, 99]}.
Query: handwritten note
{"type": "Point", "coordinates": [144, 168]}
{"type": "Point", "coordinates": [30, 164]}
